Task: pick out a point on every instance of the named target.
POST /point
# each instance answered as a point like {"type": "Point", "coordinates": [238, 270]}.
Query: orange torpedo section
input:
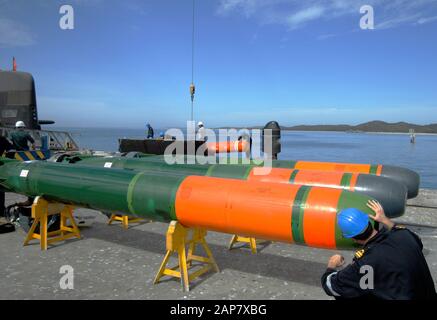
{"type": "Point", "coordinates": [330, 179]}
{"type": "Point", "coordinates": [280, 212]}
{"type": "Point", "coordinates": [339, 167]}
{"type": "Point", "coordinates": [228, 146]}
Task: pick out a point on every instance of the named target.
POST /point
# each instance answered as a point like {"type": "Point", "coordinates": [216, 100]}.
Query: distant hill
{"type": "Point", "coordinates": [372, 126]}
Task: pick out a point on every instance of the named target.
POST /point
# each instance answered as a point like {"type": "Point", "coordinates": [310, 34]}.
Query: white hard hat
{"type": "Point", "coordinates": [200, 123]}
{"type": "Point", "coordinates": [20, 124]}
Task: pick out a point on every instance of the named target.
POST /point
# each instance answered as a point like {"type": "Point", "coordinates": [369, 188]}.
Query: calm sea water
{"type": "Point", "coordinates": [318, 146]}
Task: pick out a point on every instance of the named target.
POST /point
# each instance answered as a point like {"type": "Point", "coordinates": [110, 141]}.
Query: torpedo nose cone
{"type": "Point", "coordinates": [409, 178]}
{"type": "Point", "coordinates": [391, 194]}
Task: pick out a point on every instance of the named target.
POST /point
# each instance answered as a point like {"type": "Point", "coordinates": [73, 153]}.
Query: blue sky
{"type": "Point", "coordinates": [297, 62]}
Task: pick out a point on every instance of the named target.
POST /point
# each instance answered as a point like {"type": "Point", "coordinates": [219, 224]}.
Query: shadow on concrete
{"type": "Point", "coordinates": [263, 264]}
{"type": "Point", "coordinates": [130, 226]}
{"type": "Point", "coordinates": [261, 245]}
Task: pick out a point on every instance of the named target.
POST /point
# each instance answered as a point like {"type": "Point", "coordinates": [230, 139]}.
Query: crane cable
{"type": "Point", "coordinates": [192, 86]}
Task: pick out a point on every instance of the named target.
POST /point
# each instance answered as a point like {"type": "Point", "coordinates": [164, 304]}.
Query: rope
{"type": "Point", "coordinates": [192, 46]}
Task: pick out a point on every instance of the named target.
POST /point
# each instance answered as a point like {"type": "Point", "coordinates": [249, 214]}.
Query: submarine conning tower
{"type": "Point", "coordinates": [18, 99]}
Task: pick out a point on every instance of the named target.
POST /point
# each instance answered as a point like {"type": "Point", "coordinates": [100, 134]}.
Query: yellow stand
{"type": "Point", "coordinates": [249, 240]}
{"type": "Point", "coordinates": [178, 237]}
{"type": "Point", "coordinates": [41, 210]}
{"type": "Point", "coordinates": [124, 219]}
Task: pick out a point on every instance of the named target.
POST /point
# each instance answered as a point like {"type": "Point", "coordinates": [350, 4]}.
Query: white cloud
{"type": "Point", "coordinates": [87, 2]}
{"type": "Point", "coordinates": [229, 5]}
{"type": "Point", "coordinates": [312, 13]}
{"type": "Point", "coordinates": [426, 20]}
{"type": "Point", "coordinates": [247, 7]}
{"type": "Point", "coordinates": [13, 34]}
{"type": "Point", "coordinates": [397, 21]}
{"type": "Point", "coordinates": [296, 14]}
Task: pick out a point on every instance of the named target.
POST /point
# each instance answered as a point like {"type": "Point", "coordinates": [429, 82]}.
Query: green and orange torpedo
{"type": "Point", "coordinates": [280, 212]}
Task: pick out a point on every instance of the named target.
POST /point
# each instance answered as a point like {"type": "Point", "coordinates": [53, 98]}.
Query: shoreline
{"type": "Point", "coordinates": [338, 131]}
{"type": "Point", "coordinates": [365, 132]}
{"type": "Point", "coordinates": [79, 129]}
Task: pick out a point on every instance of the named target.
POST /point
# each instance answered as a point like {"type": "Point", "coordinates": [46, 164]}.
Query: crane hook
{"type": "Point", "coordinates": [192, 91]}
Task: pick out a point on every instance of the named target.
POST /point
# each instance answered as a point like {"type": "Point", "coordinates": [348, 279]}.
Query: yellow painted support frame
{"type": "Point", "coordinates": [41, 210]}
{"type": "Point", "coordinates": [124, 219]}
{"type": "Point", "coordinates": [177, 240]}
{"type": "Point", "coordinates": [251, 241]}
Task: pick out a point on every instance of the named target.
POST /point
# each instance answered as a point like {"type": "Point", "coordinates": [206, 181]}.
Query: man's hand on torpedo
{"type": "Point", "coordinates": [379, 214]}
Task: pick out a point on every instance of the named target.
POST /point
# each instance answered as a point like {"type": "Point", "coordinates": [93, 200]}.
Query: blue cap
{"type": "Point", "coordinates": [161, 134]}
{"type": "Point", "coordinates": [352, 222]}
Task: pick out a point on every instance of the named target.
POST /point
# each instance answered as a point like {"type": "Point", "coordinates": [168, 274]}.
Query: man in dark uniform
{"type": "Point", "coordinates": [21, 138]}
{"type": "Point", "coordinates": [150, 132]}
{"type": "Point", "coordinates": [5, 146]}
{"type": "Point", "coordinates": [390, 265]}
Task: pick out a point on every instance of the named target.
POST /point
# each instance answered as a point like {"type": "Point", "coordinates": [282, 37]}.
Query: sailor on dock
{"type": "Point", "coordinates": [150, 132]}
{"type": "Point", "coordinates": [200, 132]}
{"type": "Point", "coordinates": [390, 265]}
{"type": "Point", "coordinates": [21, 138]}
{"type": "Point", "coordinates": [5, 146]}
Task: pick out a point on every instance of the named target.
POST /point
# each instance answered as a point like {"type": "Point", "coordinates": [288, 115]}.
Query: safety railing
{"type": "Point", "coordinates": [47, 139]}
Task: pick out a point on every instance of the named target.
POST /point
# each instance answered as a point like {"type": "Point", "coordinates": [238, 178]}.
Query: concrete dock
{"type": "Point", "coordinates": [112, 263]}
